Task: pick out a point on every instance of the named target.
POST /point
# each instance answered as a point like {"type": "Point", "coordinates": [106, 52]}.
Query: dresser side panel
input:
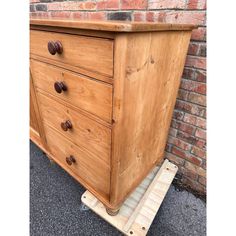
{"type": "Point", "coordinates": [36, 128]}
{"type": "Point", "coordinates": [147, 73]}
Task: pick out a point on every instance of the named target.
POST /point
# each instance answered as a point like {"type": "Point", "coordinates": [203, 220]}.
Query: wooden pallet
{"type": "Point", "coordinates": [138, 211]}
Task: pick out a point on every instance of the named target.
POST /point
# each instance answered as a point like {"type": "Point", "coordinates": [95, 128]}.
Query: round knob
{"type": "Point", "coordinates": [59, 87]}
{"type": "Point", "coordinates": [55, 47]}
{"type": "Point", "coordinates": [70, 160]}
{"type": "Point", "coordinates": [66, 125]}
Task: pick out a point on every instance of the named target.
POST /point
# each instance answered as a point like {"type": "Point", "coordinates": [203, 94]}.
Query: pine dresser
{"type": "Point", "coordinates": [102, 96]}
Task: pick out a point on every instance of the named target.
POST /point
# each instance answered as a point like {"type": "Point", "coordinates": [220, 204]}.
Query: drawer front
{"type": "Point", "coordinates": [90, 95]}
{"type": "Point", "coordinates": [89, 171]}
{"type": "Point", "coordinates": [90, 53]}
{"type": "Point", "coordinates": [83, 131]}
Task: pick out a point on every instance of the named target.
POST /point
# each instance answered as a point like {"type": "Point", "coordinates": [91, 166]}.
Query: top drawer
{"type": "Point", "coordinates": [87, 53]}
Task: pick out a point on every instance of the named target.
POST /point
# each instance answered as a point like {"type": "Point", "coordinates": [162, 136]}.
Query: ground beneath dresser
{"type": "Point", "coordinates": [56, 209]}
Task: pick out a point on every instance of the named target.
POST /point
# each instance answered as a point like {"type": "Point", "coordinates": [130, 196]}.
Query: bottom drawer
{"type": "Point", "coordinates": [89, 171]}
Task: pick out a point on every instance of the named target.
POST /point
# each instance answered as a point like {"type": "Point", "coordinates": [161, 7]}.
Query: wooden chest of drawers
{"type": "Point", "coordinates": [102, 97]}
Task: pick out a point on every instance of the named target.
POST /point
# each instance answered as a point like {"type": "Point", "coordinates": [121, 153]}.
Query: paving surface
{"type": "Point", "coordinates": [56, 208]}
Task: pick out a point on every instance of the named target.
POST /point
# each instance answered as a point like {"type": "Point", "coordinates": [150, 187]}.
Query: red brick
{"type": "Point", "coordinates": [166, 4]}
{"type": "Point", "coordinates": [202, 50]}
{"type": "Point", "coordinates": [189, 129]}
{"type": "Point", "coordinates": [160, 16]}
{"type": "Point", "coordinates": [196, 62]}
{"type": "Point", "coordinates": [188, 173]}
{"type": "Point", "coordinates": [72, 6]}
{"type": "Point", "coordinates": [193, 86]}
{"type": "Point", "coordinates": [201, 123]}
{"type": "Point", "coordinates": [199, 34]}
{"type": "Point", "coordinates": [195, 160]}
{"type": "Point", "coordinates": [32, 8]}
{"type": "Point", "coordinates": [194, 74]}
{"type": "Point", "coordinates": [179, 152]}
{"type": "Point", "coordinates": [200, 88]}
{"type": "Point", "coordinates": [193, 49]}
{"type": "Point", "coordinates": [173, 132]}
{"type": "Point", "coordinates": [198, 152]}
{"type": "Point", "coordinates": [186, 137]}
{"type": "Point", "coordinates": [196, 169]}
{"type": "Point", "coordinates": [42, 14]}
{"type": "Point", "coordinates": [189, 73]}
{"type": "Point", "coordinates": [200, 133]}
{"type": "Point", "coordinates": [187, 156]}
{"type": "Point", "coordinates": [174, 123]}
{"type": "Point", "coordinates": [59, 6]}
{"type": "Point", "coordinates": [197, 98]}
{"type": "Point", "coordinates": [133, 4]}
{"type": "Point", "coordinates": [96, 15]}
{"type": "Point", "coordinates": [203, 164]}
{"type": "Point", "coordinates": [198, 110]}
{"type": "Point", "coordinates": [41, 7]}
{"type": "Point", "coordinates": [190, 119]}
{"type": "Point", "coordinates": [196, 4]}
{"type": "Point", "coordinates": [139, 16]}
{"type": "Point", "coordinates": [183, 106]}
{"type": "Point", "coordinates": [61, 14]}
{"type": "Point", "coordinates": [186, 17]}
{"type": "Point", "coordinates": [190, 108]}
{"type": "Point", "coordinates": [200, 76]}
{"type": "Point", "coordinates": [178, 115]}
{"type": "Point", "coordinates": [179, 143]}
{"type": "Point", "coordinates": [194, 185]}
{"type": "Point", "coordinates": [150, 16]}
{"type": "Point", "coordinates": [174, 159]}
{"type": "Point", "coordinates": [168, 147]}
{"type": "Point", "coordinates": [120, 15]}
{"type": "Point", "coordinates": [187, 84]}
{"type": "Point", "coordinates": [200, 143]}
{"type": "Point", "coordinates": [108, 5]}
{"type": "Point", "coordinates": [183, 94]}
{"type": "Point", "coordinates": [33, 14]}
{"type": "Point", "coordinates": [202, 180]}
{"type": "Point", "coordinates": [156, 16]}
{"type": "Point", "coordinates": [88, 5]}
{"type": "Point", "coordinates": [79, 15]}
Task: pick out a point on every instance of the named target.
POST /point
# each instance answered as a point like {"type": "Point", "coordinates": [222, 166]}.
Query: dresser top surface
{"type": "Point", "coordinates": [113, 26]}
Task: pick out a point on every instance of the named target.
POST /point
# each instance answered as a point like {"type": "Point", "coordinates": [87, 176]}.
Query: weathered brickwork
{"type": "Point", "coordinates": [187, 136]}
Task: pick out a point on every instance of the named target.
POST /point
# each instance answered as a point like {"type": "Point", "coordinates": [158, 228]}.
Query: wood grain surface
{"type": "Point", "coordinates": [88, 170]}
{"type": "Point", "coordinates": [121, 80]}
{"type": "Point", "coordinates": [86, 133]}
{"type": "Point", "coordinates": [78, 51]}
{"type": "Point", "coordinates": [148, 68]}
{"type": "Point", "coordinates": [36, 127]}
{"type": "Point", "coordinates": [87, 94]}
{"type": "Point", "coordinates": [114, 26]}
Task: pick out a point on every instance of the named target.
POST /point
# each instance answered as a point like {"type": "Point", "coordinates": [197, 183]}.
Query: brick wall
{"type": "Point", "coordinates": [187, 136]}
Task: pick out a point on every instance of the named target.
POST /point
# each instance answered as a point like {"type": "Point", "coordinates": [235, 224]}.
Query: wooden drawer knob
{"type": "Point", "coordinates": [55, 47]}
{"type": "Point", "coordinates": [66, 125]}
{"type": "Point", "coordinates": [70, 160]}
{"type": "Point", "coordinates": [59, 87]}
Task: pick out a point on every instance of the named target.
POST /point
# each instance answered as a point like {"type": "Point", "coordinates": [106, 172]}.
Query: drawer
{"type": "Point", "coordinates": [89, 171]}
{"type": "Point", "coordinates": [83, 131]}
{"type": "Point", "coordinates": [89, 53]}
{"type": "Point", "coordinates": [90, 95]}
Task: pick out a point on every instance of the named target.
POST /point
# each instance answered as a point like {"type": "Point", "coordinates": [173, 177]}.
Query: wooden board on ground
{"type": "Point", "coordinates": [138, 211]}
